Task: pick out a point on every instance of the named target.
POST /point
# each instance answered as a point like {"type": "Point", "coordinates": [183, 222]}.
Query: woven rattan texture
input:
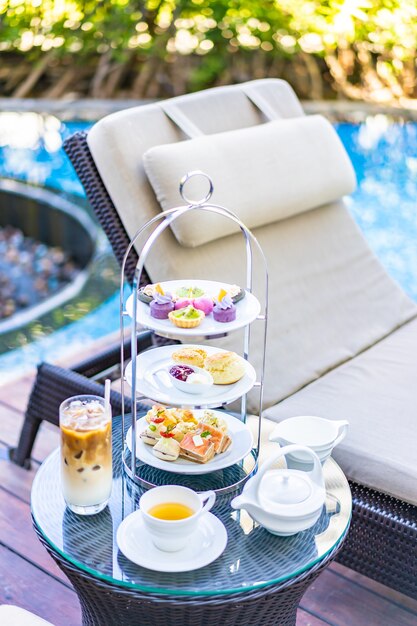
{"type": "Point", "coordinates": [220, 479]}
{"type": "Point", "coordinates": [77, 149]}
{"type": "Point", "coordinates": [108, 605]}
{"type": "Point", "coordinates": [54, 384]}
{"type": "Point", "coordinates": [92, 366]}
{"type": "Point", "coordinates": [382, 540]}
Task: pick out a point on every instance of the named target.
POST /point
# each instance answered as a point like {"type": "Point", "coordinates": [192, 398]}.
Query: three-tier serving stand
{"type": "Point", "coordinates": [147, 475]}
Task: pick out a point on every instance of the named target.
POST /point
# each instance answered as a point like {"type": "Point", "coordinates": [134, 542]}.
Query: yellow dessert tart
{"type": "Point", "coordinates": [189, 317]}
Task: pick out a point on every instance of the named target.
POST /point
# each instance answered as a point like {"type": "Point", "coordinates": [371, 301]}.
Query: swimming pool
{"type": "Point", "coordinates": [31, 151]}
{"type": "Point", "coordinates": [384, 157]}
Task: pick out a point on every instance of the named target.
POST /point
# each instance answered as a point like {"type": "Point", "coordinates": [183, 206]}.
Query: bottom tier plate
{"type": "Point", "coordinates": [242, 443]}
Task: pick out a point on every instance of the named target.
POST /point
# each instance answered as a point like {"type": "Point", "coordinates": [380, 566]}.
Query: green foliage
{"type": "Point", "coordinates": [359, 47]}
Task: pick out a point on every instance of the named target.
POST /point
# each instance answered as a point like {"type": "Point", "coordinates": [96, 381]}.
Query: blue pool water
{"type": "Point", "coordinates": [384, 156]}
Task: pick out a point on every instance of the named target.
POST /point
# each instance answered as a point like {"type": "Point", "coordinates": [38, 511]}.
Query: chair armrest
{"type": "Point", "coordinates": [52, 386]}
{"type": "Point", "coordinates": [96, 366]}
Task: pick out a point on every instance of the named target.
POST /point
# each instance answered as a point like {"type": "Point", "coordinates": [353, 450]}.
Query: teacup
{"type": "Point", "coordinates": [171, 534]}
{"type": "Point", "coordinates": [317, 433]}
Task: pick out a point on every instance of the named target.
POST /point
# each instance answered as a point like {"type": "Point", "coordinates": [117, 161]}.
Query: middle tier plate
{"type": "Point", "coordinates": [159, 388]}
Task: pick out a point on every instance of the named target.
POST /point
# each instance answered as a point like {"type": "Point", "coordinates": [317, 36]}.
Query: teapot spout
{"type": "Point", "coordinates": [239, 502]}
{"type": "Point", "coordinates": [255, 511]}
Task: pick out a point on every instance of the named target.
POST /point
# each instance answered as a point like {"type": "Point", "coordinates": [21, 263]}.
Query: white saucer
{"type": "Point", "coordinates": [204, 546]}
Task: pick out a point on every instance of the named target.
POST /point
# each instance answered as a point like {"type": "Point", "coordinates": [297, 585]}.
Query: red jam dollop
{"type": "Point", "coordinates": [181, 372]}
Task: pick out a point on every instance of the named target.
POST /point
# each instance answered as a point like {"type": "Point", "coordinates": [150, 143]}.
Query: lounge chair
{"type": "Point", "coordinates": [341, 332]}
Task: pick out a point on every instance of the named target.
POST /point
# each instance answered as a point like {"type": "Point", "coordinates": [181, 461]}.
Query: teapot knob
{"type": "Point", "coordinates": [316, 473]}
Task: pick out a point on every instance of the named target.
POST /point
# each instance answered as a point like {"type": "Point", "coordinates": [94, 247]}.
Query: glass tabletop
{"type": "Point", "coordinates": [253, 558]}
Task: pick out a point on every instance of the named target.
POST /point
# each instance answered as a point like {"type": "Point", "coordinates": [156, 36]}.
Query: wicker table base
{"type": "Point", "coordinates": [103, 604]}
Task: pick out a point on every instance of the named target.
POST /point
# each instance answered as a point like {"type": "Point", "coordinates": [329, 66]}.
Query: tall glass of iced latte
{"type": "Point", "coordinates": [86, 459]}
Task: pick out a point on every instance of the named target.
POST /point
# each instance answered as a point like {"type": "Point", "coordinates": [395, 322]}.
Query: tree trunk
{"type": "Point", "coordinates": [99, 77]}
{"type": "Point", "coordinates": [316, 82]}
{"type": "Point", "coordinates": [342, 85]}
{"type": "Point", "coordinates": [147, 69]}
{"type": "Point", "coordinates": [60, 87]}
{"type": "Point", "coordinates": [30, 81]}
{"type": "Point", "coordinates": [117, 74]}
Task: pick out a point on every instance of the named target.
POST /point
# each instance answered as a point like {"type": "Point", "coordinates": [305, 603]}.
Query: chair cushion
{"type": "Point", "coordinates": [11, 615]}
{"type": "Point", "coordinates": [118, 141]}
{"type": "Point", "coordinates": [329, 296]}
{"type": "Point", "coordinates": [321, 312]}
{"type": "Point", "coordinates": [377, 393]}
{"type": "Point", "coordinates": [263, 174]}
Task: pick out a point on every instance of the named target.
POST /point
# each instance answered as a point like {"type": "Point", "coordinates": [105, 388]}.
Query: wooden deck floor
{"type": "Point", "coordinates": [30, 579]}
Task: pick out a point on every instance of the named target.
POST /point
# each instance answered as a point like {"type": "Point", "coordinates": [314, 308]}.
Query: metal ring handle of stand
{"type": "Point", "coordinates": [184, 181]}
{"type": "Point", "coordinates": [168, 217]}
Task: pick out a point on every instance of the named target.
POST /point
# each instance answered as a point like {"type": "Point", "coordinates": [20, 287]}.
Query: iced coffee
{"type": "Point", "coordinates": [86, 459]}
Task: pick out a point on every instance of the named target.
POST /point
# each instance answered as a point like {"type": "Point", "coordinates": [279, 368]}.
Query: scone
{"type": "Point", "coordinates": [225, 367]}
{"type": "Point", "coordinates": [190, 356]}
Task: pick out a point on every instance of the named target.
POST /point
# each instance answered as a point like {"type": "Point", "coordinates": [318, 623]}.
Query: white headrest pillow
{"type": "Point", "coordinates": [264, 173]}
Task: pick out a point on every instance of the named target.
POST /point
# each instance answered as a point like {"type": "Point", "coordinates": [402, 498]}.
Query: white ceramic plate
{"type": "Point", "coordinates": [204, 546]}
{"type": "Point", "coordinates": [158, 386]}
{"type": "Point", "coordinates": [242, 443]}
{"type": "Point", "coordinates": [247, 310]}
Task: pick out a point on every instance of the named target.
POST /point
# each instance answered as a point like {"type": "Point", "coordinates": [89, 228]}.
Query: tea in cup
{"type": "Point", "coordinates": [171, 514]}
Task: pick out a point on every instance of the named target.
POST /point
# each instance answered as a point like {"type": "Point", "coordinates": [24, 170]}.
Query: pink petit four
{"type": "Point", "coordinates": [204, 304]}
{"type": "Point", "coordinates": [181, 303]}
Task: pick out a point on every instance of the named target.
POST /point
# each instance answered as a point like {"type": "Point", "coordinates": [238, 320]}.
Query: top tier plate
{"type": "Point", "coordinates": [247, 310]}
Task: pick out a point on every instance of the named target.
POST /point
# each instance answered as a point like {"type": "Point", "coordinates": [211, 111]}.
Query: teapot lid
{"type": "Point", "coordinates": [289, 492]}
{"type": "Point", "coordinates": [289, 488]}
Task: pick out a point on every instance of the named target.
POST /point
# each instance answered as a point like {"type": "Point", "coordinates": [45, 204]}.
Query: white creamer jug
{"type": "Point", "coordinates": [317, 433]}
{"type": "Point", "coordinates": [284, 501]}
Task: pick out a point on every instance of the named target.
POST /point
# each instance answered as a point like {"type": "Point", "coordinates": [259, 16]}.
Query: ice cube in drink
{"type": "Point", "coordinates": [86, 458]}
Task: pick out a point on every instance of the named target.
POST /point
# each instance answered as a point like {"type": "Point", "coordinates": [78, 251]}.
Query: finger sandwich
{"type": "Point", "coordinates": [196, 448]}
{"type": "Point", "coordinates": [219, 439]}
{"type": "Point", "coordinates": [150, 435]}
{"type": "Point", "coordinates": [166, 449]}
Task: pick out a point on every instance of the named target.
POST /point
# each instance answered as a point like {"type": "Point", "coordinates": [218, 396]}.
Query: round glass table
{"type": "Point", "coordinates": [259, 578]}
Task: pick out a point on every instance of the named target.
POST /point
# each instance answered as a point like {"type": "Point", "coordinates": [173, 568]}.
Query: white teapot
{"type": "Point", "coordinates": [284, 501]}
{"type": "Point", "coordinates": [317, 433]}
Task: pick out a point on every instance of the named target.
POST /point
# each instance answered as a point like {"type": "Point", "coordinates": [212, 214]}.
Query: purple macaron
{"type": "Point", "coordinates": [224, 310]}
{"type": "Point", "coordinates": [161, 306]}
